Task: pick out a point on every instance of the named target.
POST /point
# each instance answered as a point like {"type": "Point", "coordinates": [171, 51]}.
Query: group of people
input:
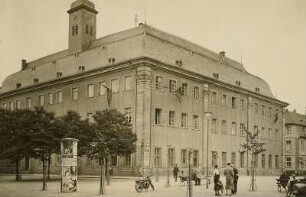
{"type": "Point", "coordinates": [183, 177]}
{"type": "Point", "coordinates": [287, 182]}
{"type": "Point", "coordinates": [231, 180]}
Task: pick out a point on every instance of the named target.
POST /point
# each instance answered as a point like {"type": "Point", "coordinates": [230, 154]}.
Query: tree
{"type": "Point", "coordinates": [113, 137]}
{"type": "Point", "coordinates": [255, 147]}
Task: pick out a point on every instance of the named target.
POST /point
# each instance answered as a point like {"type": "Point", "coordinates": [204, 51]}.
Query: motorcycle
{"type": "Point", "coordinates": [144, 183]}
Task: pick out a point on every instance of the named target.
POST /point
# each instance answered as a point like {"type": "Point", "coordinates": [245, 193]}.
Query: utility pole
{"type": "Point", "coordinates": [168, 167]}
{"type": "Point", "coordinates": [189, 188]}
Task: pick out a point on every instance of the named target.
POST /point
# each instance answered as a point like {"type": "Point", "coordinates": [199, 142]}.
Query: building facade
{"type": "Point", "coordinates": [294, 142]}
{"type": "Point", "coordinates": [180, 97]}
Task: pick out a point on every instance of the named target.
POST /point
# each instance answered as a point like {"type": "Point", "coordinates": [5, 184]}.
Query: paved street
{"type": "Point", "coordinates": [124, 187]}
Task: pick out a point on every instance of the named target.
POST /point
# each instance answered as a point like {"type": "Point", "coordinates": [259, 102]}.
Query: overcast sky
{"type": "Point", "coordinates": [270, 34]}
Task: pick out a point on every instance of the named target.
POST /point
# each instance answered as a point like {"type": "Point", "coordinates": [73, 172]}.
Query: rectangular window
{"type": "Point", "coordinates": [115, 85]}
{"type": "Point", "coordinates": [276, 161]}
{"type": "Point", "coordinates": [234, 128]}
{"type": "Point", "coordinates": [75, 94]}
{"type": "Point", "coordinates": [302, 144]}
{"type": "Point", "coordinates": [263, 131]}
{"type": "Point", "coordinates": [270, 111]}
{"type": "Point", "coordinates": [183, 157]}
{"type": "Point", "coordinates": [277, 134]}
{"type": "Point", "coordinates": [233, 158]}
{"type": "Point", "coordinates": [172, 86]}
{"type": "Point", "coordinates": [195, 122]}
{"type": "Point", "coordinates": [171, 156]}
{"type": "Point", "coordinates": [184, 120]}
{"type": "Point", "coordinates": [184, 89]}
{"type": "Point", "coordinates": [288, 130]}
{"type": "Point", "coordinates": [214, 125]}
{"type": "Point", "coordinates": [196, 91]}
{"type": "Point", "coordinates": [128, 82]}
{"type": "Point", "coordinates": [18, 104]}
{"type": "Point", "coordinates": [214, 157]}
{"type": "Point", "coordinates": [158, 116]}
{"type": "Point", "coordinates": [241, 159]}
{"type": "Point", "coordinates": [270, 161]}
{"type": "Point", "coordinates": [157, 157]}
{"type": "Point", "coordinates": [128, 114]}
{"type": "Point", "coordinates": [114, 160]}
{"type": "Point", "coordinates": [288, 145]}
{"type": "Point", "coordinates": [255, 129]}
{"type": "Point", "coordinates": [41, 100]}
{"type": "Point", "coordinates": [224, 100]}
{"type": "Point", "coordinates": [195, 157]}
{"type": "Point", "coordinates": [50, 98]}
{"type": "Point", "coordinates": [214, 97]}
{"type": "Point", "coordinates": [90, 90]}
{"type": "Point", "coordinates": [270, 133]}
{"type": "Point", "coordinates": [234, 103]}
{"type": "Point", "coordinates": [171, 118]}
{"type": "Point", "coordinates": [159, 83]}
{"type": "Point", "coordinates": [263, 110]}
{"type": "Point", "coordinates": [28, 102]}
{"type": "Point", "coordinates": [263, 160]}
{"type": "Point", "coordinates": [59, 96]}
{"type": "Point", "coordinates": [256, 108]}
{"type": "Point", "coordinates": [127, 160]}
{"type": "Point", "coordinates": [224, 127]}
{"type": "Point", "coordinates": [4, 105]}
{"type": "Point", "coordinates": [242, 131]}
{"type": "Point", "coordinates": [224, 159]}
{"type": "Point", "coordinates": [288, 162]}
{"type": "Point", "coordinates": [242, 104]}
{"type": "Point", "coordinates": [102, 88]}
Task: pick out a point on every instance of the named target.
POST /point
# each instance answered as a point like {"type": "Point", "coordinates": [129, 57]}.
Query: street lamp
{"type": "Point", "coordinates": [168, 167]}
{"type": "Point", "coordinates": [189, 188]}
{"type": "Point", "coordinates": [207, 114]}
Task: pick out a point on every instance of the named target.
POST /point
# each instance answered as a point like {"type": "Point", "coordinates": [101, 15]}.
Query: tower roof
{"type": "Point", "coordinates": [79, 4]}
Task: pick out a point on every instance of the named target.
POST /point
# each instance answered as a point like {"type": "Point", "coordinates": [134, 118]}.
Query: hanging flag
{"type": "Point", "coordinates": [275, 117]}
{"type": "Point", "coordinates": [179, 93]}
{"type": "Point", "coordinates": [109, 94]}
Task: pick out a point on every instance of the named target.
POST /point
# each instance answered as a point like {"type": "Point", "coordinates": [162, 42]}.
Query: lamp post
{"type": "Point", "coordinates": [189, 188]}
{"type": "Point", "coordinates": [207, 114]}
{"type": "Point", "coordinates": [168, 167]}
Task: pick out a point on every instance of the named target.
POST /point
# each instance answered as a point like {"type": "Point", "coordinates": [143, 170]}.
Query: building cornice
{"type": "Point", "coordinates": [82, 7]}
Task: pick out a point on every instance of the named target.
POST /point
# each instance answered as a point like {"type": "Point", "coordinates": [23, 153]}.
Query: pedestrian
{"type": "Point", "coordinates": [229, 176]}
{"type": "Point", "coordinates": [195, 177]}
{"type": "Point", "coordinates": [216, 174]}
{"type": "Point", "coordinates": [290, 185]}
{"type": "Point", "coordinates": [236, 177]}
{"type": "Point", "coordinates": [175, 172]}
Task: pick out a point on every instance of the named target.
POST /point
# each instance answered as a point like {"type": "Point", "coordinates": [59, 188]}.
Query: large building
{"type": "Point", "coordinates": [295, 142]}
{"type": "Point", "coordinates": [178, 95]}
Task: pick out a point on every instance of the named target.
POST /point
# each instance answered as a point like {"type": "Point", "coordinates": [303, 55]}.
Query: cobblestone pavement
{"type": "Point", "coordinates": [124, 187]}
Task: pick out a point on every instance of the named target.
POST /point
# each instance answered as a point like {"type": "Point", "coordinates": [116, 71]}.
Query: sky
{"type": "Point", "coordinates": [267, 36]}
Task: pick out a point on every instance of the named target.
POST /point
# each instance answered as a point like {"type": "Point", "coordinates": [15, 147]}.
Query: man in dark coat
{"type": "Point", "coordinates": [236, 177]}
{"type": "Point", "coordinates": [175, 172]}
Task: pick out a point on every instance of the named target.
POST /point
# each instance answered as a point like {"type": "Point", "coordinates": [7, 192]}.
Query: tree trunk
{"type": "Point", "coordinates": [49, 165]}
{"type": "Point", "coordinates": [44, 174]}
{"type": "Point", "coordinates": [102, 189]}
{"type": "Point", "coordinates": [107, 172]}
{"type": "Point", "coordinates": [253, 183]}
{"type": "Point", "coordinates": [18, 176]}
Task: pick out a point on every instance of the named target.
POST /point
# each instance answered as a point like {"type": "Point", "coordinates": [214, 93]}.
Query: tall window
{"type": "Point", "coordinates": [224, 100]}
{"type": "Point", "coordinates": [171, 118]}
{"type": "Point", "coordinates": [128, 82]}
{"type": "Point", "coordinates": [59, 96]}
{"type": "Point", "coordinates": [276, 161]}
{"type": "Point", "coordinates": [102, 88]}
{"type": "Point", "coordinates": [263, 110]}
{"type": "Point", "coordinates": [234, 103]}
{"type": "Point", "coordinates": [263, 135]}
{"type": "Point", "coordinates": [172, 86]}
{"type": "Point", "coordinates": [18, 104]}
{"type": "Point", "coordinates": [157, 116]}
{"type": "Point", "coordinates": [127, 160]}
{"type": "Point", "coordinates": [288, 162]}
{"type": "Point", "coordinates": [233, 158]}
{"type": "Point", "coordinates": [115, 85]}
{"type": "Point", "coordinates": [4, 105]}
{"type": "Point", "coordinates": [195, 121]}
{"type": "Point", "coordinates": [196, 92]}
{"type": "Point", "coordinates": [157, 157]}
{"type": "Point", "coordinates": [214, 97]}
{"type": "Point", "coordinates": [171, 156]}
{"type": "Point", "coordinates": [28, 102]}
{"type": "Point", "coordinates": [224, 127]}
{"type": "Point", "coordinates": [270, 133]}
{"type": "Point", "coordinates": [50, 98]}
{"type": "Point", "coordinates": [276, 134]}
{"type": "Point", "coordinates": [270, 111]}
{"type": "Point", "coordinates": [214, 125]}
{"type": "Point", "coordinates": [41, 100]}
{"type": "Point", "coordinates": [288, 145]}
{"type": "Point", "coordinates": [224, 159]}
{"type": "Point", "coordinates": [75, 94]}
{"type": "Point", "coordinates": [288, 130]}
{"type": "Point", "coordinates": [90, 90]}
{"type": "Point", "coordinates": [184, 120]}
{"type": "Point", "coordinates": [234, 128]}
{"type": "Point", "coordinates": [270, 161]}
{"type": "Point", "coordinates": [128, 114]}
{"type": "Point", "coordinates": [195, 157]}
{"type": "Point", "coordinates": [242, 104]}
{"type": "Point", "coordinates": [184, 89]}
{"type": "Point", "coordinates": [256, 108]}
{"type": "Point", "coordinates": [241, 159]}
{"type": "Point", "coordinates": [302, 144]}
{"type": "Point", "coordinates": [214, 157]}
{"type": "Point", "coordinates": [159, 83]}
{"type": "Point", "coordinates": [242, 132]}
{"type": "Point", "coordinates": [263, 160]}
{"type": "Point", "coordinates": [183, 157]}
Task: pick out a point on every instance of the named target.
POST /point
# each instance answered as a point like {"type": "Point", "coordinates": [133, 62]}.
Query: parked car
{"type": "Point", "coordinates": [299, 187]}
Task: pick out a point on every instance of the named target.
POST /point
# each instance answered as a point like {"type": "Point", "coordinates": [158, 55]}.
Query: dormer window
{"type": "Point", "coordinates": [81, 68]}
{"type": "Point", "coordinates": [216, 75]}
{"type": "Point", "coordinates": [111, 60]}
{"type": "Point", "coordinates": [179, 62]}
{"type": "Point", "coordinates": [33, 68]}
{"type": "Point", "coordinates": [238, 83]}
{"type": "Point", "coordinates": [59, 74]}
{"type": "Point", "coordinates": [18, 85]}
{"type": "Point", "coordinates": [35, 80]}
{"type": "Point", "coordinates": [257, 89]}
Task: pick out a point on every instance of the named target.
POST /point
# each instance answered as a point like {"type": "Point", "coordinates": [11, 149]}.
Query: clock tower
{"type": "Point", "coordinates": [82, 25]}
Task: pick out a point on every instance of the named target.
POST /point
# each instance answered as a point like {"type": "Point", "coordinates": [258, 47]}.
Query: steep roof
{"type": "Point", "coordinates": [138, 42]}
{"type": "Point", "coordinates": [295, 118]}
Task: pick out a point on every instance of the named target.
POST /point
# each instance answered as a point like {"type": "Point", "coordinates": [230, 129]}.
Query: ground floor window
{"type": "Point", "coordinates": [242, 160]}
{"type": "Point", "coordinates": [224, 159]}
{"type": "Point", "coordinates": [157, 157]}
{"type": "Point", "coordinates": [183, 157]}
{"type": "Point", "coordinates": [288, 162]}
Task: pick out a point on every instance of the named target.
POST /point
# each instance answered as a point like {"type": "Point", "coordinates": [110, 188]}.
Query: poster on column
{"type": "Point", "coordinates": [69, 165]}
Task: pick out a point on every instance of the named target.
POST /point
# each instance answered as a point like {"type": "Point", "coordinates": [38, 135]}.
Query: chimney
{"type": "Point", "coordinates": [294, 111]}
{"type": "Point", "coordinates": [23, 64]}
{"type": "Point", "coordinates": [222, 54]}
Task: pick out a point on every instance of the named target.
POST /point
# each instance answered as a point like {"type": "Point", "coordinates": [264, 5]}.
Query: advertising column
{"type": "Point", "coordinates": [69, 154]}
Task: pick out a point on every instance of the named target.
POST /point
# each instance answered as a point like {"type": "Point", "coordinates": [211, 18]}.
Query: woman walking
{"type": "Point", "coordinates": [216, 180]}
